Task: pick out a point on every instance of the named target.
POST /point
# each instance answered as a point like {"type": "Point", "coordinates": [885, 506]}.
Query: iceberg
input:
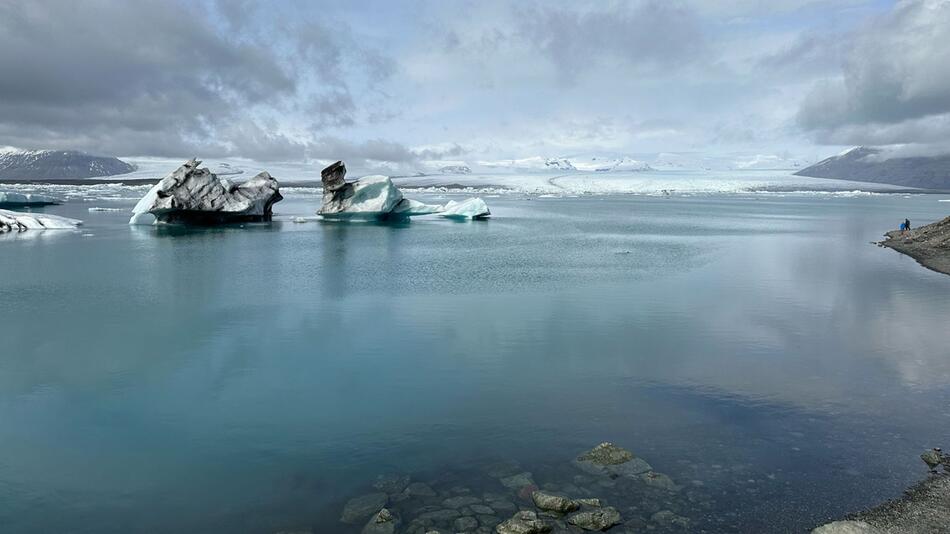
{"type": "Point", "coordinates": [470, 208]}
{"type": "Point", "coordinates": [19, 200]}
{"type": "Point", "coordinates": [15, 221]}
{"type": "Point", "coordinates": [370, 197]}
{"type": "Point", "coordinates": [193, 195]}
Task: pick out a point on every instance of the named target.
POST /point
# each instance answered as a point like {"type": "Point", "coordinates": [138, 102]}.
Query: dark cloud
{"type": "Point", "coordinates": [165, 78]}
{"type": "Point", "coordinates": [644, 36]}
{"type": "Point", "coordinates": [895, 83]}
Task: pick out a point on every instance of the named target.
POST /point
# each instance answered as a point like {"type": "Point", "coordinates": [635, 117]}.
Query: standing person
{"type": "Point", "coordinates": [903, 227]}
{"type": "Point", "coordinates": [907, 224]}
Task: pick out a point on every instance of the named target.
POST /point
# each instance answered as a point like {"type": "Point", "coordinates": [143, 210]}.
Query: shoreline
{"type": "Point", "coordinates": [924, 507]}
{"type": "Point", "coordinates": [929, 245]}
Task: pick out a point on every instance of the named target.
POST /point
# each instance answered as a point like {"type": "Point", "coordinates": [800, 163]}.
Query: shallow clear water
{"type": "Point", "coordinates": [755, 348]}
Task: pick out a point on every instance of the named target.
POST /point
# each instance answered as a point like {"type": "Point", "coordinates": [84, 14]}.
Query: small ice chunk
{"type": "Point", "coordinates": [15, 221]}
{"type": "Point", "coordinates": [25, 199]}
{"type": "Point", "coordinates": [470, 208]}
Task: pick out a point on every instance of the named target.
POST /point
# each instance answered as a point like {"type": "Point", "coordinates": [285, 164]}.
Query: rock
{"type": "Point", "coordinates": [193, 195]}
{"type": "Point", "coordinates": [658, 480]}
{"type": "Point", "coordinates": [609, 459]}
{"type": "Point", "coordinates": [933, 458]}
{"type": "Point", "coordinates": [524, 522]}
{"type": "Point", "coordinates": [482, 509]}
{"type": "Point", "coordinates": [502, 469]}
{"type": "Point", "coordinates": [668, 519]}
{"type": "Point", "coordinates": [359, 508]}
{"type": "Point", "coordinates": [391, 483]}
{"type": "Point", "coordinates": [382, 523]}
{"type": "Point", "coordinates": [465, 524]}
{"type": "Point", "coordinates": [518, 481]}
{"type": "Point", "coordinates": [846, 527]}
{"type": "Point", "coordinates": [458, 502]}
{"type": "Point", "coordinates": [607, 454]}
{"type": "Point", "coordinates": [554, 503]}
{"type": "Point", "coordinates": [419, 489]}
{"type": "Point", "coordinates": [600, 519]}
{"type": "Point", "coordinates": [440, 515]}
{"type": "Point", "coordinates": [589, 502]}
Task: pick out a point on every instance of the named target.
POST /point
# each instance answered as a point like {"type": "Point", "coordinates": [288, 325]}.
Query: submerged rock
{"type": "Point", "coordinates": [933, 458]}
{"type": "Point", "coordinates": [15, 221]}
{"type": "Point", "coordinates": [391, 483]}
{"type": "Point", "coordinates": [384, 522]}
{"type": "Point", "coordinates": [359, 508]}
{"type": "Point", "coordinates": [599, 519]}
{"type": "Point", "coordinates": [554, 503]}
{"type": "Point", "coordinates": [524, 522]}
{"type": "Point", "coordinates": [193, 195]}
{"type": "Point", "coordinates": [668, 519]}
{"type": "Point", "coordinates": [658, 480]}
{"type": "Point", "coordinates": [609, 459]}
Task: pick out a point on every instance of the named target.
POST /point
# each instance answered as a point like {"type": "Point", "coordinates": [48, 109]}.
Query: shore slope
{"type": "Point", "coordinates": [929, 245]}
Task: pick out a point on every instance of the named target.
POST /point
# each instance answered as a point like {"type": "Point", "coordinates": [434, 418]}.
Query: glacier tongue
{"type": "Point", "coordinates": [15, 221]}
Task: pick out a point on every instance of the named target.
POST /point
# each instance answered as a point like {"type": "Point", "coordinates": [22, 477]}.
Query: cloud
{"type": "Point", "coordinates": [895, 83]}
{"type": "Point", "coordinates": [168, 78]}
{"type": "Point", "coordinates": [647, 35]}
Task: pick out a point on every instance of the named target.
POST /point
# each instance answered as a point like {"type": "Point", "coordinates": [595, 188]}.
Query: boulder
{"type": "Point", "coordinates": [658, 480]}
{"type": "Point", "coordinates": [391, 483]}
{"type": "Point", "coordinates": [193, 195]}
{"type": "Point", "coordinates": [609, 459]}
{"type": "Point", "coordinates": [599, 519]}
{"type": "Point", "coordinates": [465, 524]}
{"type": "Point", "coordinates": [359, 508]}
{"type": "Point", "coordinates": [15, 221]}
{"type": "Point", "coordinates": [383, 522]}
{"type": "Point", "coordinates": [554, 503]}
{"type": "Point", "coordinates": [668, 519]}
{"type": "Point", "coordinates": [524, 522]}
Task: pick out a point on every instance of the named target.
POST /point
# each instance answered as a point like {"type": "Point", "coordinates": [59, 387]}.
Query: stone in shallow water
{"type": "Point", "coordinates": [466, 524]}
{"type": "Point", "coordinates": [554, 503]}
{"type": "Point", "coordinates": [668, 519]}
{"type": "Point", "coordinates": [609, 459]}
{"type": "Point", "coordinates": [359, 508]}
{"type": "Point", "coordinates": [600, 519]}
{"type": "Point", "coordinates": [518, 481]}
{"type": "Point", "coordinates": [846, 527]}
{"type": "Point", "coordinates": [482, 509]}
{"type": "Point", "coordinates": [524, 522]}
{"type": "Point", "coordinates": [458, 502]}
{"type": "Point", "coordinates": [658, 480]}
{"type": "Point", "coordinates": [419, 489]}
{"type": "Point", "coordinates": [391, 483]}
{"type": "Point", "coordinates": [382, 523]}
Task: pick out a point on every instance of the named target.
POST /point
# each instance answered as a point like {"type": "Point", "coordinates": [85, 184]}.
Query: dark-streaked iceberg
{"type": "Point", "coordinates": [376, 197]}
{"type": "Point", "coordinates": [22, 200]}
{"type": "Point", "coordinates": [17, 221]}
{"type": "Point", "coordinates": [193, 195]}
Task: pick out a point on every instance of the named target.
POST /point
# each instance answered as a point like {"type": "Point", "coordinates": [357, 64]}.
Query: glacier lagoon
{"type": "Point", "coordinates": [754, 347]}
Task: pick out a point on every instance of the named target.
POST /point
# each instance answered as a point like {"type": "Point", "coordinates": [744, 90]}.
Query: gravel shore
{"type": "Point", "coordinates": [929, 245]}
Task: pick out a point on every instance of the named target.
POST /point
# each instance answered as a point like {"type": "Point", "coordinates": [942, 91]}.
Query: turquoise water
{"type": "Point", "coordinates": [755, 348]}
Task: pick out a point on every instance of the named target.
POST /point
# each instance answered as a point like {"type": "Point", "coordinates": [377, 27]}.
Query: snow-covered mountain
{"type": "Point", "coordinates": [53, 164]}
{"type": "Point", "coordinates": [869, 164]}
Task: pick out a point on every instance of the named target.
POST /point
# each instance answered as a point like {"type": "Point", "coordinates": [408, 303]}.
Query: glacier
{"type": "Point", "coordinates": [15, 221]}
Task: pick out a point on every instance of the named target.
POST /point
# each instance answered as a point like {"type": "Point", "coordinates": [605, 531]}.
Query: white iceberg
{"type": "Point", "coordinates": [470, 208]}
{"type": "Point", "coordinates": [15, 221]}
{"type": "Point", "coordinates": [11, 200]}
{"type": "Point", "coordinates": [370, 197]}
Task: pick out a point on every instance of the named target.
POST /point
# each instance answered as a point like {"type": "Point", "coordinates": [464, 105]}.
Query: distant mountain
{"type": "Point", "coordinates": [52, 164]}
{"type": "Point", "coordinates": [861, 164]}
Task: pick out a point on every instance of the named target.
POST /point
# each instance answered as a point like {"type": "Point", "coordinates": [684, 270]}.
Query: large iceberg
{"type": "Point", "coordinates": [193, 195]}
{"type": "Point", "coordinates": [15, 221]}
{"type": "Point", "coordinates": [18, 200]}
{"type": "Point", "coordinates": [370, 197]}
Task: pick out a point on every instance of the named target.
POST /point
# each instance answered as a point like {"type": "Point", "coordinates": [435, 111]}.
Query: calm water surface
{"type": "Point", "coordinates": [755, 348]}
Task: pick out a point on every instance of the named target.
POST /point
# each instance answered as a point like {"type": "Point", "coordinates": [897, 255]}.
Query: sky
{"type": "Point", "coordinates": [399, 82]}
